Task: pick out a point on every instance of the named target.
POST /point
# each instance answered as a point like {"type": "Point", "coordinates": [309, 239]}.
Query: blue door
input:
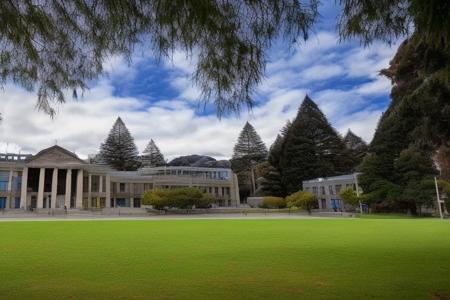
{"type": "Point", "coordinates": [335, 204]}
{"type": "Point", "coordinates": [2, 202]}
{"type": "Point", "coordinates": [17, 202]}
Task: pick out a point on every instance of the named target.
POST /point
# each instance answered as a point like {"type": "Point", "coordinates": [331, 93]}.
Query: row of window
{"type": "Point", "coordinates": [221, 175]}
{"type": "Point", "coordinates": [331, 190]}
{"type": "Point", "coordinates": [16, 181]}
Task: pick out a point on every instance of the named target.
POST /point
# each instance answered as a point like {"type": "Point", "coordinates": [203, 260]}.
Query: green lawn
{"type": "Point", "coordinates": [219, 259]}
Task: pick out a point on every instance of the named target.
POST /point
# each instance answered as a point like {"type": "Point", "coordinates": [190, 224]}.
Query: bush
{"type": "Point", "coordinates": [159, 199]}
{"type": "Point", "coordinates": [349, 196]}
{"type": "Point", "coordinates": [273, 202]}
{"type": "Point", "coordinates": [301, 199]}
{"type": "Point", "coordinates": [205, 201]}
{"type": "Point", "coordinates": [184, 198]}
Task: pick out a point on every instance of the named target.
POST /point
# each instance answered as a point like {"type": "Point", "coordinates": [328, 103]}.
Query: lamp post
{"type": "Point", "coordinates": [357, 192]}
{"type": "Point", "coordinates": [439, 201]}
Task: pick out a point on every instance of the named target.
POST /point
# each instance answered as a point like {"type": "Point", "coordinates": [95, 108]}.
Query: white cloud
{"type": "Point", "coordinates": [81, 126]}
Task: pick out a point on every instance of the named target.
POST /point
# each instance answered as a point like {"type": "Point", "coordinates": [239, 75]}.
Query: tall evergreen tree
{"type": "Point", "coordinates": [152, 156]}
{"type": "Point", "coordinates": [312, 148]}
{"type": "Point", "coordinates": [357, 147]}
{"type": "Point", "coordinates": [272, 185]}
{"type": "Point", "coordinates": [249, 150]}
{"type": "Point", "coordinates": [249, 145]}
{"type": "Point", "coordinates": [119, 150]}
{"type": "Point", "coordinates": [418, 116]}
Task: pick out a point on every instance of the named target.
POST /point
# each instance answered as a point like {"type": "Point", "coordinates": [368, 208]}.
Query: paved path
{"type": "Point", "coordinates": [73, 217]}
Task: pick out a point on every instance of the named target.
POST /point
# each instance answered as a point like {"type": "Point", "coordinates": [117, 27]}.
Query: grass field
{"type": "Point", "coordinates": [218, 259]}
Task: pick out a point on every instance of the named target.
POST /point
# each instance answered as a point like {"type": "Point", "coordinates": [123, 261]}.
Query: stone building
{"type": "Point", "coordinates": [56, 178]}
{"type": "Point", "coordinates": [327, 190]}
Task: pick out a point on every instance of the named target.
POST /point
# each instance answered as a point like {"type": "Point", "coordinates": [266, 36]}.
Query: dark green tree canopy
{"type": "Point", "coordinates": [389, 20]}
{"type": "Point", "coordinates": [249, 145]}
{"type": "Point", "coordinates": [312, 148]}
{"type": "Point", "coordinates": [119, 150]}
{"type": "Point", "coordinates": [357, 147]}
{"type": "Point", "coordinates": [272, 184]}
{"type": "Point", "coordinates": [53, 46]}
{"type": "Point", "coordinates": [152, 156]}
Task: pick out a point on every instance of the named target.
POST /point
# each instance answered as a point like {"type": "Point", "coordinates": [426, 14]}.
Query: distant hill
{"type": "Point", "coordinates": [198, 161]}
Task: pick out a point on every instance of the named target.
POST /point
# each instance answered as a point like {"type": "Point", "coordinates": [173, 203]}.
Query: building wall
{"type": "Point", "coordinates": [56, 184]}
{"type": "Point", "coordinates": [327, 190]}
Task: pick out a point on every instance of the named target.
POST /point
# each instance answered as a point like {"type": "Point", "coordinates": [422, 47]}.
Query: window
{"type": "Point", "coordinates": [121, 187]}
{"type": "Point", "coordinates": [322, 188]}
{"type": "Point", "coordinates": [4, 178]}
{"type": "Point", "coordinates": [338, 188]}
{"type": "Point", "coordinates": [314, 190]}
{"type": "Point", "coordinates": [95, 183]}
{"type": "Point", "coordinates": [330, 189]}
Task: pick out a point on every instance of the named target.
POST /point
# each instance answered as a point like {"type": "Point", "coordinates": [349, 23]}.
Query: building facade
{"type": "Point", "coordinates": [327, 190]}
{"type": "Point", "coordinates": [56, 178]}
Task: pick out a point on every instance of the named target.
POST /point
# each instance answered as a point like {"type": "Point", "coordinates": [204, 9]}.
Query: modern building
{"type": "Point", "coordinates": [327, 190]}
{"type": "Point", "coordinates": [56, 178]}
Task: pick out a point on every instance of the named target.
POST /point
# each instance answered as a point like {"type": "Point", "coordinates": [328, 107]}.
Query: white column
{"type": "Point", "coordinates": [131, 193]}
{"type": "Point", "coordinates": [23, 190]}
{"type": "Point", "coordinates": [100, 183]}
{"type": "Point", "coordinates": [10, 196]}
{"type": "Point", "coordinates": [68, 188]}
{"type": "Point", "coordinates": [89, 190]}
{"type": "Point", "coordinates": [108, 191]}
{"type": "Point", "coordinates": [40, 197]}
{"type": "Point", "coordinates": [79, 192]}
{"type": "Point", "coordinates": [54, 187]}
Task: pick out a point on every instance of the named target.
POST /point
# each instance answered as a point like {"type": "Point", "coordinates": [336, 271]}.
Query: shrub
{"type": "Point", "coordinates": [159, 199]}
{"type": "Point", "coordinates": [205, 201]}
{"type": "Point", "coordinates": [185, 198]}
{"type": "Point", "coordinates": [273, 202]}
{"type": "Point", "coordinates": [349, 196]}
{"type": "Point", "coordinates": [301, 199]}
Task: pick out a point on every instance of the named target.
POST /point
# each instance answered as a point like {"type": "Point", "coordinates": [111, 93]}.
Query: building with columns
{"type": "Point", "coordinates": [56, 178]}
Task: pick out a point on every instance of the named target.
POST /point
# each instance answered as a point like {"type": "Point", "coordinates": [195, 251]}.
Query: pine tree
{"type": "Point", "coordinates": [312, 148]}
{"type": "Point", "coordinates": [152, 156]}
{"type": "Point", "coordinates": [248, 152]}
{"type": "Point", "coordinates": [357, 147]}
{"type": "Point", "coordinates": [119, 150]}
{"type": "Point", "coordinates": [250, 145]}
{"type": "Point", "coordinates": [272, 184]}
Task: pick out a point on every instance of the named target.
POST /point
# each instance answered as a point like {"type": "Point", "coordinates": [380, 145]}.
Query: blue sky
{"type": "Point", "coordinates": [158, 100]}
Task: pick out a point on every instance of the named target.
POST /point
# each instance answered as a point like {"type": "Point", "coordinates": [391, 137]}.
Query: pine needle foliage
{"type": "Point", "coordinates": [357, 147]}
{"type": "Point", "coordinates": [249, 145]}
{"type": "Point", "coordinates": [54, 46]}
{"type": "Point", "coordinates": [119, 150]}
{"type": "Point", "coordinates": [312, 148]}
{"type": "Point", "coordinates": [152, 156]}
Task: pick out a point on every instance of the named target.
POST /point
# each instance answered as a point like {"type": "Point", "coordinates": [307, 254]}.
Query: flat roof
{"type": "Point", "coordinates": [332, 178]}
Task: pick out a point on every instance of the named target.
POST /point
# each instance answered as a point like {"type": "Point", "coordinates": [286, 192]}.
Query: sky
{"type": "Point", "coordinates": [158, 101]}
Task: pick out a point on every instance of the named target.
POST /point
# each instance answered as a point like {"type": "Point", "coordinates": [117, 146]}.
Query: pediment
{"type": "Point", "coordinates": [55, 156]}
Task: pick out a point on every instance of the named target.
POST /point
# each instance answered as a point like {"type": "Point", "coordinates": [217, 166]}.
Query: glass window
{"type": "Point", "coordinates": [122, 187]}
{"type": "Point", "coordinates": [322, 189]}
{"type": "Point", "coordinates": [4, 178]}
{"type": "Point", "coordinates": [330, 189]}
{"type": "Point", "coordinates": [338, 188]}
{"type": "Point", "coordinates": [95, 183]}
